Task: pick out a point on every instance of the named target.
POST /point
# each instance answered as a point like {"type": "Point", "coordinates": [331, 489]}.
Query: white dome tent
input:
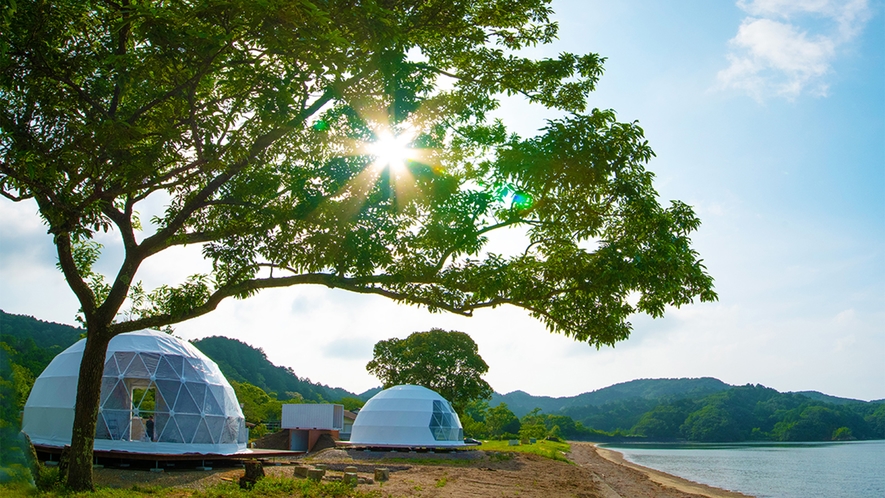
{"type": "Point", "coordinates": [146, 374]}
{"type": "Point", "coordinates": [407, 416]}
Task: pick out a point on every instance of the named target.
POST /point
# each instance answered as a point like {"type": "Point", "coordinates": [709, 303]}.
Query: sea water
{"type": "Point", "coordinates": [776, 470]}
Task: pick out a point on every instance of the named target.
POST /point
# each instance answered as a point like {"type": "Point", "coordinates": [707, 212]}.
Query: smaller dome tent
{"type": "Point", "coordinates": [159, 395]}
{"type": "Point", "coordinates": [407, 416]}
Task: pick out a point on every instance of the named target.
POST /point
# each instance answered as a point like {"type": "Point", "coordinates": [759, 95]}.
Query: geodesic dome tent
{"type": "Point", "coordinates": [407, 416]}
{"type": "Point", "coordinates": [146, 374]}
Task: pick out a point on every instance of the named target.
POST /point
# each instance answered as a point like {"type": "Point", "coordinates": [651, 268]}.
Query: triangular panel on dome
{"type": "Point", "coordinates": [198, 393]}
{"type": "Point", "coordinates": [230, 430]}
{"type": "Point", "coordinates": [168, 431]}
{"type": "Point", "coordinates": [188, 424]}
{"type": "Point", "coordinates": [124, 359]}
{"type": "Point", "coordinates": [185, 403]}
{"type": "Point", "coordinates": [137, 369]}
{"type": "Point", "coordinates": [189, 373]}
{"type": "Point", "coordinates": [101, 428]}
{"type": "Point", "coordinates": [150, 362]}
{"type": "Point", "coordinates": [118, 398]}
{"type": "Point", "coordinates": [166, 369]}
{"type": "Point", "coordinates": [212, 406]}
{"type": "Point", "coordinates": [168, 391]}
{"type": "Point", "coordinates": [216, 427]}
{"type": "Point", "coordinates": [203, 434]}
{"type": "Point", "coordinates": [110, 367]}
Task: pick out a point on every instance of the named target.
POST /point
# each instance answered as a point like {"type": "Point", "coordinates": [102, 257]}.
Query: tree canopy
{"type": "Point", "coordinates": [252, 123]}
{"type": "Point", "coordinates": [446, 362]}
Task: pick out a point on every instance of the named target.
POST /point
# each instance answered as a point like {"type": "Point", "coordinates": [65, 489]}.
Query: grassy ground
{"type": "Point", "coordinates": [549, 449]}
{"type": "Point", "coordinates": [273, 487]}
{"type": "Point", "coordinates": [269, 487]}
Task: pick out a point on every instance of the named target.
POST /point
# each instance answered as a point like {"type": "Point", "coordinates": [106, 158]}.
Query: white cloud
{"type": "Point", "coordinates": [787, 47]}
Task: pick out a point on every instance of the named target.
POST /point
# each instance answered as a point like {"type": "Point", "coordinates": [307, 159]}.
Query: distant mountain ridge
{"type": "Point", "coordinates": [241, 362]}
{"type": "Point", "coordinates": [521, 402]}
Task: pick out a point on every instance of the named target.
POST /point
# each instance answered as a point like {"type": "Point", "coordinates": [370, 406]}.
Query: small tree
{"type": "Point", "coordinates": [500, 421]}
{"type": "Point", "coordinates": [533, 425]}
{"type": "Point", "coordinates": [447, 362]}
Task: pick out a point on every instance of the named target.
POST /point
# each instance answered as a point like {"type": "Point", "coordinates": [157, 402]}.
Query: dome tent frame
{"type": "Point", "coordinates": [146, 373]}
{"type": "Point", "coordinates": [407, 416]}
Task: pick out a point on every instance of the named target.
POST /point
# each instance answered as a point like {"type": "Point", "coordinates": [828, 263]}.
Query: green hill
{"type": "Point", "coordinates": [33, 343]}
{"type": "Point", "coordinates": [241, 362]}
{"type": "Point", "coordinates": [521, 403]}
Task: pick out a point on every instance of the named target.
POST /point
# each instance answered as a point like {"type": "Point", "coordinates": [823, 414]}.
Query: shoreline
{"type": "Point", "coordinates": [665, 479]}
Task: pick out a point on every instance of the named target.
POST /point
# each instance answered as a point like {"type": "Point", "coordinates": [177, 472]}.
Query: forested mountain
{"type": "Point", "coordinates": [241, 362]}
{"type": "Point", "coordinates": [367, 394]}
{"type": "Point", "coordinates": [705, 409]}
{"type": "Point", "coordinates": [758, 413]}
{"type": "Point", "coordinates": [634, 391]}
{"type": "Point", "coordinates": [33, 343]}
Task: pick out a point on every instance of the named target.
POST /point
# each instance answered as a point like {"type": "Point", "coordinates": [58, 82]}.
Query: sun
{"type": "Point", "coordinates": [392, 151]}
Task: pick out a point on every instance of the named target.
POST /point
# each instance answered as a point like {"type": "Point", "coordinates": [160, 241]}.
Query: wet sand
{"type": "Point", "coordinates": [662, 478]}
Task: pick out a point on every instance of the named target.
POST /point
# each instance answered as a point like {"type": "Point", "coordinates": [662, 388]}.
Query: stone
{"type": "Point", "coordinates": [382, 474]}
{"type": "Point", "coordinates": [316, 474]}
{"type": "Point", "coordinates": [350, 479]}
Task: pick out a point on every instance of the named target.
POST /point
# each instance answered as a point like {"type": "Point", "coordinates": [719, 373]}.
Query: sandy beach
{"type": "Point", "coordinates": [593, 473]}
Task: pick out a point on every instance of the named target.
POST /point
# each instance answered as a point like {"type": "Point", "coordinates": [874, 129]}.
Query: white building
{"type": "Point", "coordinates": [407, 416]}
{"type": "Point", "coordinates": [146, 374]}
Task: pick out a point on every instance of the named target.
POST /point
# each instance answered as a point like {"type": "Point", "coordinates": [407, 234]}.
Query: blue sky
{"type": "Point", "coordinates": [767, 116]}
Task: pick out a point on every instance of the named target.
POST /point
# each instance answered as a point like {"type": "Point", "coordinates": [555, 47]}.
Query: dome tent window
{"type": "Point", "coordinates": [443, 423]}
{"type": "Point", "coordinates": [158, 395]}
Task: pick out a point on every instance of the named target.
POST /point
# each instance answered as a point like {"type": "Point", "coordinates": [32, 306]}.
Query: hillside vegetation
{"type": "Point", "coordinates": [705, 409]}
{"type": "Point", "coordinates": [241, 362]}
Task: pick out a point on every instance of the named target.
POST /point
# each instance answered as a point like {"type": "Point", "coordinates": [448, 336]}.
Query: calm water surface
{"type": "Point", "coordinates": [776, 470]}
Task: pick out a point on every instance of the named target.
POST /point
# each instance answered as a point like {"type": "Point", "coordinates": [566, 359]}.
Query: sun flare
{"type": "Point", "coordinates": [392, 151]}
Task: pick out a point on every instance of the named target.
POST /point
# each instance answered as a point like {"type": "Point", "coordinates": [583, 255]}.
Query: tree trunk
{"type": "Point", "coordinates": [86, 412]}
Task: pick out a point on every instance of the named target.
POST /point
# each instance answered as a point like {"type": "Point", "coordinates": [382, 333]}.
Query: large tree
{"type": "Point", "coordinates": [447, 362]}
{"type": "Point", "coordinates": [251, 122]}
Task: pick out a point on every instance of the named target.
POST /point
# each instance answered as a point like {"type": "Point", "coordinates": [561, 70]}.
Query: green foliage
{"type": "Point", "coordinates": [501, 422]}
{"type": "Point", "coordinates": [351, 403]}
{"type": "Point", "coordinates": [15, 383]}
{"type": "Point", "coordinates": [258, 406]}
{"type": "Point", "coordinates": [446, 362]}
{"type": "Point", "coordinates": [49, 479]}
{"type": "Point", "coordinates": [549, 449]}
{"type": "Point", "coordinates": [842, 434]}
{"type": "Point", "coordinates": [756, 413]}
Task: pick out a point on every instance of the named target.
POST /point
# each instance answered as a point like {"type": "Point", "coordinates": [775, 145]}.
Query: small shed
{"type": "Point", "coordinates": [305, 423]}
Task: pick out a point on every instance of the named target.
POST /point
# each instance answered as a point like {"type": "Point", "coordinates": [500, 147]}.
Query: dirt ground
{"type": "Point", "coordinates": [594, 473]}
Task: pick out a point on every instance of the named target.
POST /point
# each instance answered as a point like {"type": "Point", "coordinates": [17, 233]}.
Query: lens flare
{"type": "Point", "coordinates": [392, 151]}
